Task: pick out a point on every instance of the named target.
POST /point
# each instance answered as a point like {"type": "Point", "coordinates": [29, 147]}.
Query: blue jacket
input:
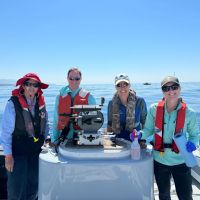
{"type": "Point", "coordinates": [140, 116]}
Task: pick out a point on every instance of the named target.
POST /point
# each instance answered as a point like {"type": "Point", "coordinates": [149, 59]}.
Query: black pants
{"type": "Point", "coordinates": [182, 179]}
{"type": "Point", "coordinates": [23, 181]}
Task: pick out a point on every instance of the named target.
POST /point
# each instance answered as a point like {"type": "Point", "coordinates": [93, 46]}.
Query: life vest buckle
{"type": "Point", "coordinates": [35, 139]}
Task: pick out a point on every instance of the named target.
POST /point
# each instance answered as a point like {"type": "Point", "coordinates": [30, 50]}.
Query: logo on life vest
{"type": "Point", "coordinates": [157, 130]}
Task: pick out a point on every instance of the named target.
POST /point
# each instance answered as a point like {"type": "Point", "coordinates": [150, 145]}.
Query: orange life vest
{"type": "Point", "coordinates": [65, 102]}
{"type": "Point", "coordinates": [159, 125]}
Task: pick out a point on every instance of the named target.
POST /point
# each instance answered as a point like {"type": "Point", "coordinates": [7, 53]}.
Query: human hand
{"type": "Point", "coordinates": [47, 140]}
{"type": "Point", "coordinates": [190, 146]}
{"type": "Point", "coordinates": [9, 162]}
{"type": "Point", "coordinates": [109, 129]}
{"type": "Point", "coordinates": [52, 144]}
{"type": "Point", "coordinates": [143, 144]}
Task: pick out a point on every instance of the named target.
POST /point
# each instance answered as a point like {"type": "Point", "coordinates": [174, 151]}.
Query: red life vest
{"type": "Point", "coordinates": [29, 124]}
{"type": "Point", "coordinates": [159, 125]}
{"type": "Point", "coordinates": [65, 102]}
{"type": "Point", "coordinates": [19, 95]}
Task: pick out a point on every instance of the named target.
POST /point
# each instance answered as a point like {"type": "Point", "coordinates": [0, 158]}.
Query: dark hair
{"type": "Point", "coordinates": [74, 69]}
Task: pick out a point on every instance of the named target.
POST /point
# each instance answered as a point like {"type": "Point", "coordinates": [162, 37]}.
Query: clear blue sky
{"type": "Point", "coordinates": [147, 39]}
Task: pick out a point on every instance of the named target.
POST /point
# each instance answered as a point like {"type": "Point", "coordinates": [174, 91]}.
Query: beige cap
{"type": "Point", "coordinates": [169, 79]}
{"type": "Point", "coordinates": [121, 78]}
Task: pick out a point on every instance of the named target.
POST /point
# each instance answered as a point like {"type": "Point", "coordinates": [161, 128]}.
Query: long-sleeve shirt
{"type": "Point", "coordinates": [64, 91]}
{"type": "Point", "coordinates": [8, 125]}
{"type": "Point", "coordinates": [191, 130]}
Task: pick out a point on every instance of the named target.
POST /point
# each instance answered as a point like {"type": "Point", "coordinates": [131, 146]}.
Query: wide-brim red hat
{"type": "Point", "coordinates": [34, 77]}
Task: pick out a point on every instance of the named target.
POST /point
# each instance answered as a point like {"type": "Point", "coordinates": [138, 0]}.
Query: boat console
{"type": "Point", "coordinates": [94, 165]}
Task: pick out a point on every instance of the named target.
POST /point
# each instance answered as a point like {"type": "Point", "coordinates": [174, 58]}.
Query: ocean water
{"type": "Point", "coordinates": [151, 93]}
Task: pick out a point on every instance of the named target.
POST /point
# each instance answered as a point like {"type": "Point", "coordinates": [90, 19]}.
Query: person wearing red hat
{"type": "Point", "coordinates": [24, 127]}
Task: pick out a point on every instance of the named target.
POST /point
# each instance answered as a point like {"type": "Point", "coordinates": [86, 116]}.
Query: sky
{"type": "Point", "coordinates": [146, 39]}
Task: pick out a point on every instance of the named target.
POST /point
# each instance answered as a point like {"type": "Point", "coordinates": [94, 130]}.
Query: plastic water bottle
{"type": "Point", "coordinates": [135, 147]}
{"type": "Point", "coordinates": [180, 140]}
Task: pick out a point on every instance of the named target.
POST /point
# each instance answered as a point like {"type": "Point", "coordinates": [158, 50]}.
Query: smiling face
{"type": "Point", "coordinates": [123, 89]}
{"type": "Point", "coordinates": [30, 88]}
{"type": "Point", "coordinates": [171, 91]}
{"type": "Point", "coordinates": [74, 80]}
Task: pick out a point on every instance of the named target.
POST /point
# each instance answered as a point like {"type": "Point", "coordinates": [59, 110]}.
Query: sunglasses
{"type": "Point", "coordinates": [74, 78]}
{"type": "Point", "coordinates": [35, 85]}
{"type": "Point", "coordinates": [170, 87]}
{"type": "Point", "coordinates": [122, 85]}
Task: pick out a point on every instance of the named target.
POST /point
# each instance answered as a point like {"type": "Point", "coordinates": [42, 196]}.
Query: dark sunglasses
{"type": "Point", "coordinates": [122, 84]}
{"type": "Point", "coordinates": [74, 78]}
{"type": "Point", "coordinates": [170, 87]}
{"type": "Point", "coordinates": [35, 85]}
